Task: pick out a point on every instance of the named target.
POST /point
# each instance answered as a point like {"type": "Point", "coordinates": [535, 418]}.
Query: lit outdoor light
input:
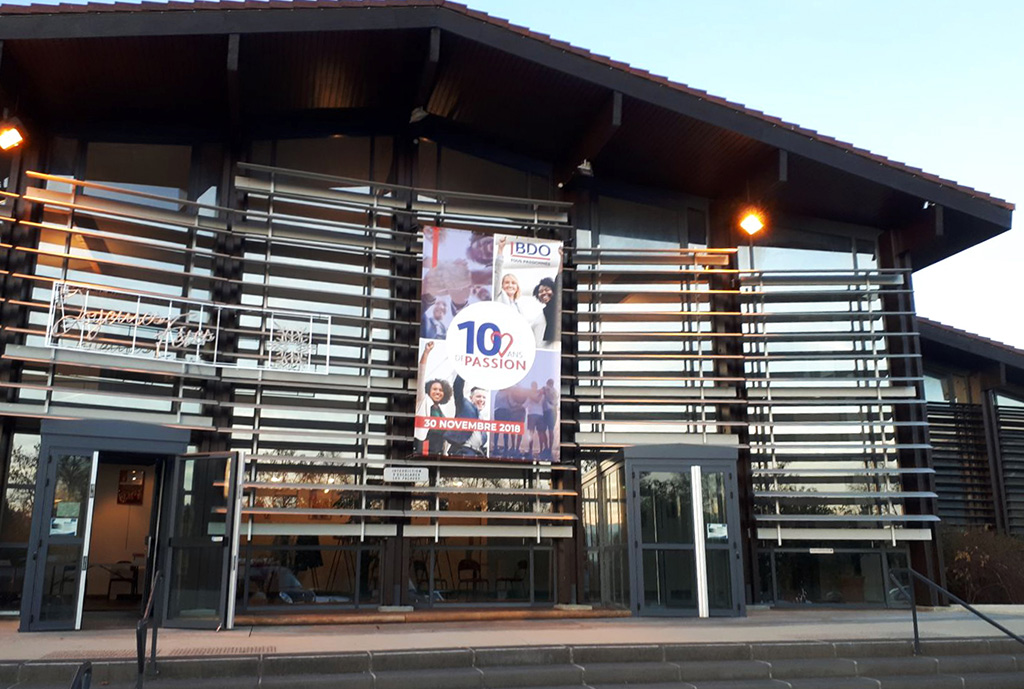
{"type": "Point", "coordinates": [752, 222]}
{"type": "Point", "coordinates": [10, 135]}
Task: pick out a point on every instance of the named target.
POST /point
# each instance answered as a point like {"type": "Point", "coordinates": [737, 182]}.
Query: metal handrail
{"type": "Point", "coordinates": [938, 589]}
{"type": "Point", "coordinates": [83, 676]}
{"type": "Point", "coordinates": [140, 635]}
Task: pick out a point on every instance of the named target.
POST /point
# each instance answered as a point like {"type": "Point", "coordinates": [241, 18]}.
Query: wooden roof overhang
{"type": "Point", "coordinates": [1001, 365]}
{"type": "Point", "coordinates": [254, 69]}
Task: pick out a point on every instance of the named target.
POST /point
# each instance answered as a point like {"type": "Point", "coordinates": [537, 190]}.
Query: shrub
{"type": "Point", "coordinates": [984, 566]}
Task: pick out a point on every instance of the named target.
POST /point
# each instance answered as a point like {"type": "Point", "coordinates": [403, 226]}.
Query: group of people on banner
{"type": "Point", "coordinates": [490, 346]}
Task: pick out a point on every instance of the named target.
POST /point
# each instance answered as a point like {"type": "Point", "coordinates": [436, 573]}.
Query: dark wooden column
{"type": "Point", "coordinates": [221, 163]}
{"type": "Point", "coordinates": [17, 291]}
{"type": "Point", "coordinates": [722, 234]}
{"type": "Point", "coordinates": [905, 347]}
{"type": "Point", "coordinates": [406, 312]}
{"type": "Point", "coordinates": [994, 450]}
{"type": "Point", "coordinates": [13, 290]}
{"type": "Point", "coordinates": [571, 554]}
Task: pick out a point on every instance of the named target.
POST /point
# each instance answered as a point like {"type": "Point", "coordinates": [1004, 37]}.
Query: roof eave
{"type": "Point", "coordinates": [214, 18]}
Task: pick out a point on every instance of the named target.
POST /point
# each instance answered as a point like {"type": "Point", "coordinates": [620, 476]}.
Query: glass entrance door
{"type": "Point", "coordinates": [201, 546]}
{"type": "Point", "coordinates": [61, 531]}
{"type": "Point", "coordinates": [686, 550]}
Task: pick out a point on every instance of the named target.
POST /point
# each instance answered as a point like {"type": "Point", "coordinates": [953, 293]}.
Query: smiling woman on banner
{"type": "Point", "coordinates": [549, 293]}
{"type": "Point", "coordinates": [508, 291]}
{"type": "Point", "coordinates": [436, 402]}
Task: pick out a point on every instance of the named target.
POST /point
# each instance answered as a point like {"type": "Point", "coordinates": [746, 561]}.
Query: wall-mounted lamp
{"type": "Point", "coordinates": [12, 134]}
{"type": "Point", "coordinates": [418, 114]}
{"type": "Point", "coordinates": [752, 221]}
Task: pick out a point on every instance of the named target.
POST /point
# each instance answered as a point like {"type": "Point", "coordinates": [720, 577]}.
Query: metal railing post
{"type": "Point", "coordinates": [913, 611]}
{"type": "Point", "coordinates": [83, 676]}
{"type": "Point", "coordinates": [152, 655]}
{"type": "Point", "coordinates": [140, 636]}
{"type": "Point", "coordinates": [935, 588]}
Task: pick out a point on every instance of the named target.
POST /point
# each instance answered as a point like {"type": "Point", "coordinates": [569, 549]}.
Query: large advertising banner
{"type": "Point", "coordinates": [490, 346]}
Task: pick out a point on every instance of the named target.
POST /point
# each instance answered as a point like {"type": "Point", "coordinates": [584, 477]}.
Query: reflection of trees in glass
{"type": "Point", "coordinates": [665, 508]}
{"type": "Point", "coordinates": [17, 515]}
{"type": "Point", "coordinates": [295, 468]}
{"type": "Point", "coordinates": [24, 462]}
{"type": "Point", "coordinates": [482, 502]}
{"type": "Point", "coordinates": [73, 478]}
{"type": "Point", "coordinates": [16, 518]}
{"type": "Point", "coordinates": [818, 506]}
{"type": "Point", "coordinates": [653, 490]}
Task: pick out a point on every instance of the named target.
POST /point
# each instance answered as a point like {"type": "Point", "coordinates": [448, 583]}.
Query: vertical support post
{"type": "Point", "coordinates": [405, 311]}
{"type": "Point", "coordinates": [218, 165]}
{"type": "Point", "coordinates": [917, 635]}
{"type": "Point", "coordinates": [571, 554]}
{"type": "Point", "coordinates": [700, 555]}
{"type": "Point", "coordinates": [17, 290]}
{"type": "Point", "coordinates": [725, 301]}
{"type": "Point", "coordinates": [994, 450]}
{"type": "Point", "coordinates": [904, 346]}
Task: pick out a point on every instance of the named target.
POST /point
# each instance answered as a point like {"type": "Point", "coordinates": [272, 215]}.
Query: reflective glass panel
{"type": "Point", "coordinates": [719, 579]}
{"type": "Point", "coordinates": [670, 579]}
{"type": "Point", "coordinates": [60, 584]}
{"type": "Point", "coordinates": [195, 583]}
{"type": "Point", "coordinates": [666, 513]}
{"type": "Point", "coordinates": [715, 517]}
{"type": "Point", "coordinates": [838, 578]}
{"type": "Point", "coordinates": [12, 577]}
{"type": "Point", "coordinates": [71, 495]}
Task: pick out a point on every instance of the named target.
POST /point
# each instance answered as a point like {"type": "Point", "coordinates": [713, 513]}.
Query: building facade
{"type": "Point", "coordinates": [212, 302]}
{"type": "Point", "coordinates": [975, 393]}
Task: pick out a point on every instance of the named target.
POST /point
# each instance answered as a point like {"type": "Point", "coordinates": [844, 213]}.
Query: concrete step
{"type": "Point", "coordinates": [960, 663]}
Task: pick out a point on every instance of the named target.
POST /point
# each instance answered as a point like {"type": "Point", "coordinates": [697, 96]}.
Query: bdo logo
{"type": "Point", "coordinates": [531, 250]}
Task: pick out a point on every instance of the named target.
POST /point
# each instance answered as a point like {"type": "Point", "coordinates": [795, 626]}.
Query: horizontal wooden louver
{"type": "Point", "coordinates": [647, 365]}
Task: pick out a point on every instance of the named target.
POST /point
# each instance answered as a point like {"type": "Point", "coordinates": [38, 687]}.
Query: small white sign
{"type": "Point", "coordinates": [406, 474]}
{"type": "Point", "coordinates": [718, 531]}
{"type": "Point", "coordinates": [821, 551]}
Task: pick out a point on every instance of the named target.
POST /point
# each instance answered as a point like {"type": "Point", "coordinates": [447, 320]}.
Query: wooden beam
{"type": "Point", "coordinates": [5, 99]}
{"type": "Point", "coordinates": [234, 87]}
{"type": "Point", "coordinates": [762, 184]}
{"type": "Point", "coordinates": [594, 138]}
{"type": "Point", "coordinates": [993, 376]}
{"type": "Point", "coordinates": [428, 74]}
{"type": "Point", "coordinates": [926, 228]}
{"type": "Point", "coordinates": [473, 142]}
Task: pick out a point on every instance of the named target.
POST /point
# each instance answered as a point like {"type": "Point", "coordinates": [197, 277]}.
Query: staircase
{"type": "Point", "coordinates": [960, 663]}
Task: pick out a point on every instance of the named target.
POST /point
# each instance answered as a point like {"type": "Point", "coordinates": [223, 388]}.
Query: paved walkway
{"type": "Point", "coordinates": [759, 625]}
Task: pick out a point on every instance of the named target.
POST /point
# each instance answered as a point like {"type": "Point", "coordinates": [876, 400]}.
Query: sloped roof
{"type": "Point", "coordinates": [271, 5]}
{"type": "Point", "coordinates": [969, 348]}
{"type": "Point", "coordinates": [489, 87]}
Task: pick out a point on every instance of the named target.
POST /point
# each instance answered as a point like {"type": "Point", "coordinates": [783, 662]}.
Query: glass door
{"type": "Point", "coordinates": [721, 542]}
{"type": "Point", "coordinates": [61, 532]}
{"type": "Point", "coordinates": [200, 543]}
{"type": "Point", "coordinates": [686, 547]}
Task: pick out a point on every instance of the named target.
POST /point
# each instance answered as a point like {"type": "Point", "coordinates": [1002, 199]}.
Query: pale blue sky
{"type": "Point", "coordinates": [933, 83]}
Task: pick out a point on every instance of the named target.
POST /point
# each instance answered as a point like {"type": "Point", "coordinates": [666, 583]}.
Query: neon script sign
{"type": "Point", "coordinates": [149, 327]}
